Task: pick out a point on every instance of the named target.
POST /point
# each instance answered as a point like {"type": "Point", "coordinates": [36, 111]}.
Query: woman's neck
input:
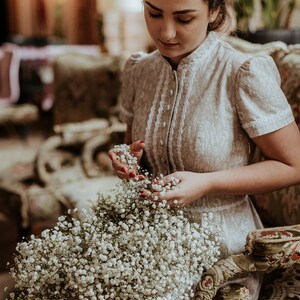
{"type": "Point", "coordinates": [172, 63]}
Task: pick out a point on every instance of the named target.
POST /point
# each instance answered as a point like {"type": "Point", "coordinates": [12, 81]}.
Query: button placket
{"type": "Point", "coordinates": [165, 123]}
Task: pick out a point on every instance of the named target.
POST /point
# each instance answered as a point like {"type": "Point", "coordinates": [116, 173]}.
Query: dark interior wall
{"type": "Point", "coordinates": [3, 22]}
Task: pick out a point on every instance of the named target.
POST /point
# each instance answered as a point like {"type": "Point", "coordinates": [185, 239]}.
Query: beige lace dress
{"type": "Point", "coordinates": [201, 118]}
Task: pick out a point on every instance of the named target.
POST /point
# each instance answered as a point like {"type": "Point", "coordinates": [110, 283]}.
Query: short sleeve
{"type": "Point", "coordinates": [128, 88]}
{"type": "Point", "coordinates": [261, 104]}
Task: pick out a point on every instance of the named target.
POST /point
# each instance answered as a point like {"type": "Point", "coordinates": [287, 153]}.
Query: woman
{"type": "Point", "coordinates": [201, 107]}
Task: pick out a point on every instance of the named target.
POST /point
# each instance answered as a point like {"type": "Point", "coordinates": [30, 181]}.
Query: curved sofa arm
{"type": "Point", "coordinates": [68, 134]}
{"type": "Point", "coordinates": [266, 250]}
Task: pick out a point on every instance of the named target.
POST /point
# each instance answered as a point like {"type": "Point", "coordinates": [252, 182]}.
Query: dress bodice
{"type": "Point", "coordinates": [202, 116]}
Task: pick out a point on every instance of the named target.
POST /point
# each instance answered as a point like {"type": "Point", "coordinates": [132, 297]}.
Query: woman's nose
{"type": "Point", "coordinates": [167, 31]}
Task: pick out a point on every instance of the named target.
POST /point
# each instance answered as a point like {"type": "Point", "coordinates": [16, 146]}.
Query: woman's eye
{"type": "Point", "coordinates": [183, 21]}
{"type": "Point", "coordinates": [154, 16]}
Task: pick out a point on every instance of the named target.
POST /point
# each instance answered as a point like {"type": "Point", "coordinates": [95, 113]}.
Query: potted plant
{"type": "Point", "coordinates": [262, 21]}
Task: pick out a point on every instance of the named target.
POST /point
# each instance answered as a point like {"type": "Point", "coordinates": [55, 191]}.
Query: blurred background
{"type": "Point", "coordinates": [60, 74]}
{"type": "Point", "coordinates": [117, 24]}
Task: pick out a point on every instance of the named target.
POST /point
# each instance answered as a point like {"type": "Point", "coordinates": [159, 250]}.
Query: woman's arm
{"type": "Point", "coordinates": [281, 168]}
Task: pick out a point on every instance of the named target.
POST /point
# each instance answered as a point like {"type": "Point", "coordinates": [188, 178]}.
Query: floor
{"type": "Point", "coordinates": [14, 150]}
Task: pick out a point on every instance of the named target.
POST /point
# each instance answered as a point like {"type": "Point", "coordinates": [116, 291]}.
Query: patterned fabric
{"type": "Point", "coordinates": [87, 86]}
{"type": "Point", "coordinates": [275, 247]}
{"type": "Point", "coordinates": [196, 119]}
{"type": "Point", "coordinates": [282, 284]}
{"type": "Point", "coordinates": [288, 63]}
{"type": "Point", "coordinates": [267, 249]}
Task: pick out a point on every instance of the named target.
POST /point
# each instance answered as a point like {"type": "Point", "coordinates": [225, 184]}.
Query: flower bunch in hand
{"type": "Point", "coordinates": [125, 247]}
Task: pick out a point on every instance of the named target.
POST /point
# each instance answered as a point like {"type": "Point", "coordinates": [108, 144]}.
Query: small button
{"type": "Point", "coordinates": [164, 124]}
{"type": "Point", "coordinates": [168, 107]}
{"type": "Point", "coordinates": [171, 92]}
{"type": "Point", "coordinates": [161, 142]}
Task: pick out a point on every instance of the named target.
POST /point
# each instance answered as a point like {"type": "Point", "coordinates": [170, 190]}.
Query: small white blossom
{"type": "Point", "coordinates": [120, 249]}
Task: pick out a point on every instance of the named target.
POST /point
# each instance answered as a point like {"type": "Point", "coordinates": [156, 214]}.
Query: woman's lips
{"type": "Point", "coordinates": [168, 45]}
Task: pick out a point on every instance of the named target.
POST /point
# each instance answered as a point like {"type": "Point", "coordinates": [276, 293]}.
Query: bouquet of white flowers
{"type": "Point", "coordinates": [124, 247]}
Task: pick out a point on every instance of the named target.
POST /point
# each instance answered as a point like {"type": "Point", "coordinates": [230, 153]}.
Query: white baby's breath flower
{"type": "Point", "coordinates": [123, 248]}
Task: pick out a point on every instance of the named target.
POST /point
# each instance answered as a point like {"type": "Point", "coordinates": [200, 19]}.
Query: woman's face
{"type": "Point", "coordinates": [177, 27]}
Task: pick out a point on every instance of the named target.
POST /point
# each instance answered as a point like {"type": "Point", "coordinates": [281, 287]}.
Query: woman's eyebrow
{"type": "Point", "coordinates": [179, 12]}
{"type": "Point", "coordinates": [182, 12]}
{"type": "Point", "coordinates": [154, 7]}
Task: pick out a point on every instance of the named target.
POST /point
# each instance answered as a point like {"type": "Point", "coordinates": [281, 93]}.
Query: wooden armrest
{"type": "Point", "coordinates": [18, 114]}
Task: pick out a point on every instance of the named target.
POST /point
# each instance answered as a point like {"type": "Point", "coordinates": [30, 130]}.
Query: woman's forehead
{"type": "Point", "coordinates": [177, 5]}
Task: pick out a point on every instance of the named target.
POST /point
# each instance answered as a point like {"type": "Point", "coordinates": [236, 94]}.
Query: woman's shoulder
{"type": "Point", "coordinates": [245, 61]}
{"type": "Point", "coordinates": [141, 59]}
{"type": "Point", "coordinates": [231, 55]}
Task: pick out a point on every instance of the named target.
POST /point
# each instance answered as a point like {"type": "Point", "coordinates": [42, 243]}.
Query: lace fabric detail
{"type": "Point", "coordinates": [174, 123]}
{"type": "Point", "coordinates": [158, 123]}
{"type": "Point", "coordinates": [150, 140]}
{"type": "Point", "coordinates": [182, 116]}
{"type": "Point", "coordinates": [272, 119]}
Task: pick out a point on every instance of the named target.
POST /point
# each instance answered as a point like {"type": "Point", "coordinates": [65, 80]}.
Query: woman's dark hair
{"type": "Point", "coordinates": [226, 19]}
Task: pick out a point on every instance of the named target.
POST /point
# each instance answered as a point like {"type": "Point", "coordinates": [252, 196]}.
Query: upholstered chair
{"type": "Point", "coordinates": [275, 250]}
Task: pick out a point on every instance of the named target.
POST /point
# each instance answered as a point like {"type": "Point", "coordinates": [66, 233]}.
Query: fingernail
{"type": "Point", "coordinates": [141, 142]}
{"type": "Point", "coordinates": [142, 194]}
{"type": "Point", "coordinates": [132, 175]}
{"type": "Point", "coordinates": [141, 177]}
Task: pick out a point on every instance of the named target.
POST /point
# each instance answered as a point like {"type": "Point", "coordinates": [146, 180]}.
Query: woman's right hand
{"type": "Point", "coordinates": [122, 171]}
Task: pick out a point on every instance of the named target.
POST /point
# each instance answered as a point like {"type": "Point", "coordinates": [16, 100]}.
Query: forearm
{"type": "Point", "coordinates": [257, 178]}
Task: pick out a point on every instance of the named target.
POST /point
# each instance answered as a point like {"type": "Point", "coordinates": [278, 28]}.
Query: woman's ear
{"type": "Point", "coordinates": [213, 15]}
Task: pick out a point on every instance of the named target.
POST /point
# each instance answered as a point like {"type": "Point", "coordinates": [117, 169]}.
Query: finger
{"type": "Point", "coordinates": [137, 146]}
{"type": "Point", "coordinates": [118, 166]}
{"type": "Point", "coordinates": [137, 149]}
{"type": "Point", "coordinates": [141, 177]}
{"type": "Point", "coordinates": [130, 173]}
{"type": "Point", "coordinates": [145, 194]}
{"type": "Point", "coordinates": [153, 196]}
{"type": "Point", "coordinates": [171, 195]}
{"type": "Point", "coordinates": [171, 180]}
{"type": "Point", "coordinates": [111, 154]}
{"type": "Point", "coordinates": [122, 175]}
{"type": "Point", "coordinates": [157, 197]}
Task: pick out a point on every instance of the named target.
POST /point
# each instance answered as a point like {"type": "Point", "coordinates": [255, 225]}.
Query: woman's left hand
{"type": "Point", "coordinates": [191, 187]}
